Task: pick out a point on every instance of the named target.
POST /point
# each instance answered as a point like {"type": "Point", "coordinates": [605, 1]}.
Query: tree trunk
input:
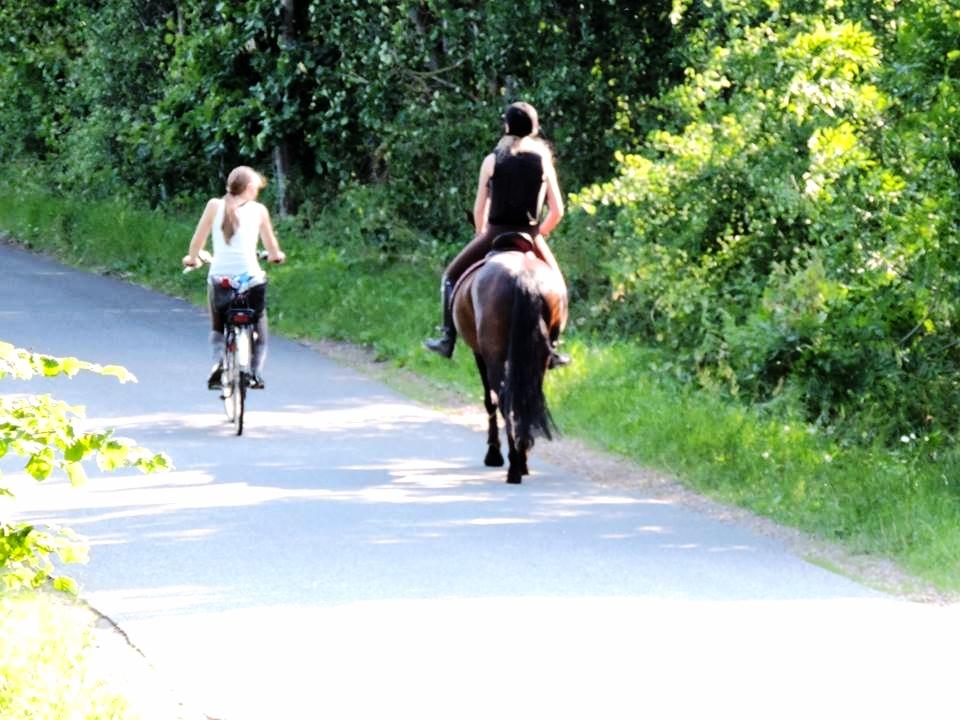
{"type": "Point", "coordinates": [281, 168]}
{"type": "Point", "coordinates": [281, 151]}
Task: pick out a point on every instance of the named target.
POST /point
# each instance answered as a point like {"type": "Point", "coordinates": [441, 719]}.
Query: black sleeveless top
{"type": "Point", "coordinates": [515, 189]}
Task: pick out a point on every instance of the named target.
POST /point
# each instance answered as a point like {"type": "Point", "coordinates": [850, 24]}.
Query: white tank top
{"type": "Point", "coordinates": [239, 256]}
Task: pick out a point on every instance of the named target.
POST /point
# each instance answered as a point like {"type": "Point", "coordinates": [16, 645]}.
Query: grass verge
{"type": "Point", "coordinates": [621, 397]}
{"type": "Point", "coordinates": [46, 669]}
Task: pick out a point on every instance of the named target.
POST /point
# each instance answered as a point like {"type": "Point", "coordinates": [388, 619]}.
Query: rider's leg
{"type": "Point", "coordinates": [448, 331]}
{"type": "Point", "coordinates": [543, 251]}
{"type": "Point", "coordinates": [475, 251]}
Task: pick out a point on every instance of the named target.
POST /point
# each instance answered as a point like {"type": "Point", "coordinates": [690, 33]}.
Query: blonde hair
{"type": "Point", "coordinates": [237, 182]}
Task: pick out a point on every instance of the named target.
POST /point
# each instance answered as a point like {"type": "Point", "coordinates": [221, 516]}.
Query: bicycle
{"type": "Point", "coordinates": [239, 328]}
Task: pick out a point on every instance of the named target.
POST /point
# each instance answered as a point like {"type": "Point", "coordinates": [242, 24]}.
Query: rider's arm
{"type": "Point", "coordinates": [554, 213]}
{"type": "Point", "coordinates": [200, 235]}
{"type": "Point", "coordinates": [274, 253]}
{"type": "Point", "coordinates": [554, 201]}
{"type": "Point", "coordinates": [481, 206]}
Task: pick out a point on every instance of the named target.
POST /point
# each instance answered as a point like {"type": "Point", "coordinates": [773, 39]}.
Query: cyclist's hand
{"type": "Point", "coordinates": [277, 258]}
{"type": "Point", "coordinates": [191, 261]}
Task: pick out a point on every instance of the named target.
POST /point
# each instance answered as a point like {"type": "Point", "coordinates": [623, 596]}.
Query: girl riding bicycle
{"type": "Point", "coordinates": [237, 222]}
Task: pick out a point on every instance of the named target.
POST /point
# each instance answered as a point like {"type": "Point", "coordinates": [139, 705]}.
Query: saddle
{"type": "Point", "coordinates": [512, 241]}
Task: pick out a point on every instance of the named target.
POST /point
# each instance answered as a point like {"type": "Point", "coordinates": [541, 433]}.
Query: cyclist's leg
{"type": "Point", "coordinates": [257, 298]}
{"type": "Point", "coordinates": [216, 340]}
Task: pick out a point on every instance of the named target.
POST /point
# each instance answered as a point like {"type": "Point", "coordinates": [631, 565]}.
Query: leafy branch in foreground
{"type": "Point", "coordinates": [46, 432]}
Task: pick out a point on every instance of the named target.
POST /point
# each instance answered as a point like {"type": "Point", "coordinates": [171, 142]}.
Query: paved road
{"type": "Point", "coordinates": [350, 557]}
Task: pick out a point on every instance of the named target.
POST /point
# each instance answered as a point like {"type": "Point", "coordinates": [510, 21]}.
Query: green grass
{"type": "Point", "coordinates": [899, 503]}
{"type": "Point", "coordinates": [45, 667]}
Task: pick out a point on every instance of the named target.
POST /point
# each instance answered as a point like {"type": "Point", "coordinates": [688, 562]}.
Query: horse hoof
{"type": "Point", "coordinates": [514, 477]}
{"type": "Point", "coordinates": [493, 459]}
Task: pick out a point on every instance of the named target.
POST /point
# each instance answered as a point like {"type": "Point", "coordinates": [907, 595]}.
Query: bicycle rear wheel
{"type": "Point", "coordinates": [240, 399]}
{"type": "Point", "coordinates": [241, 376]}
{"type": "Point", "coordinates": [228, 384]}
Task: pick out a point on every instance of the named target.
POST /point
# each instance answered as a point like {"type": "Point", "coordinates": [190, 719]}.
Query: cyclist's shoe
{"type": "Point", "coordinates": [213, 382]}
{"type": "Point", "coordinates": [257, 382]}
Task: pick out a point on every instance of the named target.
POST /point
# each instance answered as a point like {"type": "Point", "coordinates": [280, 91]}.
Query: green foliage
{"type": "Point", "coordinates": [793, 226]}
{"type": "Point", "coordinates": [156, 99]}
{"type": "Point", "coordinates": [43, 431]}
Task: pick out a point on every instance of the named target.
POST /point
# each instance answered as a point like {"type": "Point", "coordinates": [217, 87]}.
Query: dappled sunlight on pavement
{"type": "Point", "coordinates": [358, 419]}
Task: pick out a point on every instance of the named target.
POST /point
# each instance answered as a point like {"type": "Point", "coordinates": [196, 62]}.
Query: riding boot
{"type": "Point", "coordinates": [557, 358]}
{"type": "Point", "coordinates": [216, 352]}
{"type": "Point", "coordinates": [444, 344]}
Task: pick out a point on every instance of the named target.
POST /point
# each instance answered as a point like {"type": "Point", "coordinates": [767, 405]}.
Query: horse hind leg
{"type": "Point", "coordinates": [518, 461]}
{"type": "Point", "coordinates": [494, 457]}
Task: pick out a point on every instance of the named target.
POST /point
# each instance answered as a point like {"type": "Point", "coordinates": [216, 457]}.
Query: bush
{"type": "Point", "coordinates": [794, 226]}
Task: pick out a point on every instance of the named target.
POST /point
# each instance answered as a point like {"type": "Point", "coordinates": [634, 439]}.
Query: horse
{"type": "Point", "coordinates": [509, 311]}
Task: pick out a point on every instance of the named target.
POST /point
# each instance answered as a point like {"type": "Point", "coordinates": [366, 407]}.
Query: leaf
{"type": "Point", "coordinates": [66, 584]}
{"type": "Point", "coordinates": [39, 467]}
{"type": "Point", "coordinates": [70, 366]}
{"type": "Point", "coordinates": [119, 372]}
{"type": "Point", "coordinates": [51, 365]}
{"type": "Point", "coordinates": [76, 473]}
{"type": "Point", "coordinates": [112, 455]}
{"type": "Point", "coordinates": [76, 452]}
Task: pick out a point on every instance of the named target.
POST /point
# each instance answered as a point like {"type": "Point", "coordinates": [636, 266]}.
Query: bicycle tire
{"type": "Point", "coordinates": [242, 348]}
{"type": "Point", "coordinates": [227, 381]}
{"type": "Point", "coordinates": [241, 400]}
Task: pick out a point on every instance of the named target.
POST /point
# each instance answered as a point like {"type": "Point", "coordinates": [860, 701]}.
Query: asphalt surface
{"type": "Point", "coordinates": [350, 556]}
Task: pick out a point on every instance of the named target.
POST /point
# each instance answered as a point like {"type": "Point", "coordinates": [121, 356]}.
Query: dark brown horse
{"type": "Point", "coordinates": [509, 311]}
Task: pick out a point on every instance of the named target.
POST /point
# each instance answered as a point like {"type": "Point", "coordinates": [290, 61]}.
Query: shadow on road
{"type": "Point", "coordinates": [379, 501]}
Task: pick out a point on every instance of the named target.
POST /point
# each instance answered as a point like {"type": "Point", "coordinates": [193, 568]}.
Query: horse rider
{"type": "Point", "coordinates": [515, 180]}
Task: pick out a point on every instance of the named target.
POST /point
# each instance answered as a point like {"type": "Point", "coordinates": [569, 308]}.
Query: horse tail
{"type": "Point", "coordinates": [522, 399]}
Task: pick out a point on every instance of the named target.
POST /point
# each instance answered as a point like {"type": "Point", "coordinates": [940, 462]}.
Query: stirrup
{"type": "Point", "coordinates": [557, 359]}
